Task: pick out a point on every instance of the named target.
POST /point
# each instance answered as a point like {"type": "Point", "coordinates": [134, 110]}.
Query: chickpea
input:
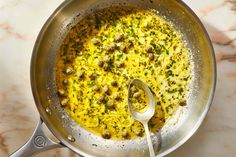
{"type": "Point", "coordinates": [182, 103]}
{"type": "Point", "coordinates": [106, 89]}
{"type": "Point", "coordinates": [107, 59]}
{"type": "Point", "coordinates": [120, 64]}
{"type": "Point", "coordinates": [100, 63]}
{"type": "Point", "coordinates": [151, 56]}
{"type": "Point", "coordinates": [138, 132]}
{"type": "Point", "coordinates": [116, 96]}
{"type": "Point", "coordinates": [119, 37]}
{"type": "Point", "coordinates": [106, 134]}
{"type": "Point", "coordinates": [129, 44]}
{"type": "Point", "coordinates": [111, 104]}
{"type": "Point", "coordinates": [64, 102]}
{"type": "Point", "coordinates": [68, 70]}
{"type": "Point", "coordinates": [92, 75]}
{"type": "Point", "coordinates": [149, 49]}
{"type": "Point", "coordinates": [125, 134]}
{"type": "Point", "coordinates": [96, 88]}
{"type": "Point", "coordinates": [111, 47]}
{"type": "Point", "coordinates": [137, 95]}
{"type": "Point", "coordinates": [61, 92]}
{"type": "Point", "coordinates": [80, 75]}
{"type": "Point", "coordinates": [95, 41]}
{"type": "Point", "coordinates": [65, 82]}
{"type": "Point", "coordinates": [123, 47]}
{"type": "Point", "coordinates": [106, 67]}
{"type": "Point", "coordinates": [133, 89]}
{"type": "Point", "coordinates": [114, 83]}
{"type": "Point", "coordinates": [101, 99]}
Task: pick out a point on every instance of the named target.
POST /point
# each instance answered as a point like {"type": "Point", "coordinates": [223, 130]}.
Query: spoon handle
{"type": "Point", "coordinates": [150, 146]}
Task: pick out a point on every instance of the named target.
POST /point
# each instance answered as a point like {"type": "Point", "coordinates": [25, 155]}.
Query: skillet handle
{"type": "Point", "coordinates": [37, 143]}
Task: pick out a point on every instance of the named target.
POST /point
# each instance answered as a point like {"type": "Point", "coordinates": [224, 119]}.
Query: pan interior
{"type": "Point", "coordinates": [178, 129]}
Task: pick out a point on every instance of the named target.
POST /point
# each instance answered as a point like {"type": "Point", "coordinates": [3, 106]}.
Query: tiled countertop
{"type": "Point", "coordinates": [20, 23]}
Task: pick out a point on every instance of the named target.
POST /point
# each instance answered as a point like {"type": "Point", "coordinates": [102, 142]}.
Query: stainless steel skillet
{"type": "Point", "coordinates": [178, 129]}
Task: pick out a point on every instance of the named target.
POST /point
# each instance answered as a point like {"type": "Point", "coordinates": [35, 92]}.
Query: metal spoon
{"type": "Point", "coordinates": [145, 116]}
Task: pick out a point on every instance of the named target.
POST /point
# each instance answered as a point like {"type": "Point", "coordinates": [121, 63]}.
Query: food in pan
{"type": "Point", "coordinates": [103, 52]}
{"type": "Point", "coordinates": [138, 98]}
